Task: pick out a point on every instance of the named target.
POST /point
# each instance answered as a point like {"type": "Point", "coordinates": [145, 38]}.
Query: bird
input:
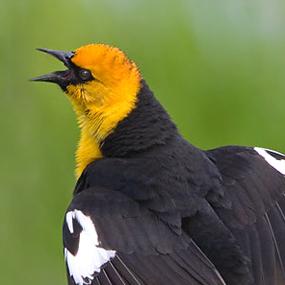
{"type": "Point", "coordinates": [149, 207]}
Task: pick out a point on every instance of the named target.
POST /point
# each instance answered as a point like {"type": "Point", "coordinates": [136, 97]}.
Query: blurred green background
{"type": "Point", "coordinates": [217, 66]}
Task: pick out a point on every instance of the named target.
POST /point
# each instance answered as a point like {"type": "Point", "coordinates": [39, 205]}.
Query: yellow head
{"type": "Point", "coordinates": [115, 81]}
{"type": "Point", "coordinates": [102, 84]}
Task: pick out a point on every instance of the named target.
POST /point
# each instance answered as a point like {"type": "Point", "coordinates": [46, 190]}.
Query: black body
{"type": "Point", "coordinates": [178, 215]}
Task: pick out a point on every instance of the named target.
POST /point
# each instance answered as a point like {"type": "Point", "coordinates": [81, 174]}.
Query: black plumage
{"type": "Point", "coordinates": [176, 214]}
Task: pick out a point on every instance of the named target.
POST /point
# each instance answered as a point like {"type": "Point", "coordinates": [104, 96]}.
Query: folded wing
{"type": "Point", "coordinates": [254, 186]}
{"type": "Point", "coordinates": [111, 239]}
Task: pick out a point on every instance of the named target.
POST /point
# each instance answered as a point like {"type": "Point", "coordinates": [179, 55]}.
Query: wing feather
{"type": "Point", "coordinates": [256, 190]}
{"type": "Point", "coordinates": [131, 245]}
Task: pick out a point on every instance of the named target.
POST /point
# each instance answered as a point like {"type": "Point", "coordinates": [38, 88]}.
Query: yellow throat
{"type": "Point", "coordinates": [100, 104]}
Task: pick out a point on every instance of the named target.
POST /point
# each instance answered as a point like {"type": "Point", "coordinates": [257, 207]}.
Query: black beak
{"type": "Point", "coordinates": [62, 78]}
{"type": "Point", "coordinates": [63, 56]}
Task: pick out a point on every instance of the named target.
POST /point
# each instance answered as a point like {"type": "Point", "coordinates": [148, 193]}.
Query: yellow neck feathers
{"type": "Point", "coordinates": [100, 104]}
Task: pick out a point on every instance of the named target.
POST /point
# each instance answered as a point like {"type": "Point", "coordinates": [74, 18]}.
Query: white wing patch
{"type": "Point", "coordinates": [90, 256]}
{"type": "Point", "coordinates": [278, 164]}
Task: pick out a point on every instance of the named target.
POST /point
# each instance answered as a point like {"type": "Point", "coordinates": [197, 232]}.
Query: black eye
{"type": "Point", "coordinates": [85, 74]}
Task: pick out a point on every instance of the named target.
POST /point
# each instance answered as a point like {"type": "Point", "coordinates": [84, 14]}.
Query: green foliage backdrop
{"type": "Point", "coordinates": [217, 66]}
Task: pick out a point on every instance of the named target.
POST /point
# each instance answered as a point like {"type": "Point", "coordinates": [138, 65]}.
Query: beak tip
{"type": "Point", "coordinates": [46, 50]}
{"type": "Point", "coordinates": [63, 56]}
{"type": "Point", "coordinates": [43, 78]}
{"type": "Point", "coordinates": [33, 79]}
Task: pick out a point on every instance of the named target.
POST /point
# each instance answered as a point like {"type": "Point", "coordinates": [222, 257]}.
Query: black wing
{"type": "Point", "coordinates": [111, 239]}
{"type": "Point", "coordinates": [254, 185]}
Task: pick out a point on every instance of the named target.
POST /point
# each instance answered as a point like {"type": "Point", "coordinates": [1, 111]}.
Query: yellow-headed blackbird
{"type": "Point", "coordinates": [149, 207]}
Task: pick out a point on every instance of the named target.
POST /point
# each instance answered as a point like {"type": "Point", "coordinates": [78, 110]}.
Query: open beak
{"type": "Point", "coordinates": [62, 78]}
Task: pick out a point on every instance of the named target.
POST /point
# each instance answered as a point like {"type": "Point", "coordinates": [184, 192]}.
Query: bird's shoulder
{"type": "Point", "coordinates": [135, 205]}
{"type": "Point", "coordinates": [256, 172]}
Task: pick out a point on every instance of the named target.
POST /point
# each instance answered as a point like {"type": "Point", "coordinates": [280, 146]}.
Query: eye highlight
{"type": "Point", "coordinates": [85, 75]}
